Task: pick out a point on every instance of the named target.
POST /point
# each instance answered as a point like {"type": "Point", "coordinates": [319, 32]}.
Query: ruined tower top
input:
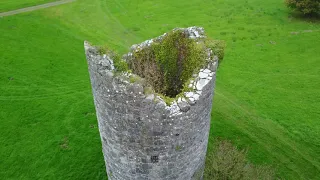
{"type": "Point", "coordinates": [154, 103]}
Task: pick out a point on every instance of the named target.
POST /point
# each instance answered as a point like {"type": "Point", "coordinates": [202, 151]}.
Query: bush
{"type": "Point", "coordinates": [168, 63]}
{"type": "Point", "coordinates": [307, 7]}
{"type": "Point", "coordinates": [228, 163]}
{"type": "Point", "coordinates": [217, 47]}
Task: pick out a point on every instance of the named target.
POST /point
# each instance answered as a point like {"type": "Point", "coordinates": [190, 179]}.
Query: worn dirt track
{"type": "Point", "coordinates": [33, 8]}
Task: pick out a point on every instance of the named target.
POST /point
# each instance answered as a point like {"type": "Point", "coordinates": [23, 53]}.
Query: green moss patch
{"type": "Point", "coordinates": [119, 64]}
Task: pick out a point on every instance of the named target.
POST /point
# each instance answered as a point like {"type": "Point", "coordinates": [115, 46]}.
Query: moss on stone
{"type": "Point", "coordinates": [102, 50]}
{"type": "Point", "coordinates": [166, 99]}
{"type": "Point", "coordinates": [134, 78]}
{"type": "Point", "coordinates": [110, 174]}
{"type": "Point", "coordinates": [186, 87]}
{"type": "Point", "coordinates": [119, 64]}
{"type": "Point", "coordinates": [178, 148]}
{"type": "Point", "coordinates": [148, 90]}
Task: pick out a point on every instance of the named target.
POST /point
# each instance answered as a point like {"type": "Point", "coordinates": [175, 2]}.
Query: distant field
{"type": "Point", "coordinates": [267, 93]}
{"type": "Point", "coordinates": [7, 5]}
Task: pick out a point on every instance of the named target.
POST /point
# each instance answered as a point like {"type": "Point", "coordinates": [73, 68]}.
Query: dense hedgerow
{"type": "Point", "coordinates": [307, 7]}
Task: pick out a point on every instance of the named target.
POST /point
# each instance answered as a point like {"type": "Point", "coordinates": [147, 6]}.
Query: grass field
{"type": "Point", "coordinates": [267, 96]}
{"type": "Point", "coordinates": [7, 5]}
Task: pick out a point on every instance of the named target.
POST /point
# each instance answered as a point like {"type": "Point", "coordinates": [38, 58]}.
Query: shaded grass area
{"type": "Point", "coordinates": [8, 5]}
{"type": "Point", "coordinates": [267, 94]}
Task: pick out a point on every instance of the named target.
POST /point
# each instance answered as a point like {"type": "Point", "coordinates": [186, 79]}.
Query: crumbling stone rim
{"type": "Point", "coordinates": [196, 83]}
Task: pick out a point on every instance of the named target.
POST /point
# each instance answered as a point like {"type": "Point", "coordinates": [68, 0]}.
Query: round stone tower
{"type": "Point", "coordinates": [153, 106]}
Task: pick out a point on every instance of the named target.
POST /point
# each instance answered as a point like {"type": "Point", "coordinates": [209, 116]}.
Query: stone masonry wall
{"type": "Point", "coordinates": [142, 137]}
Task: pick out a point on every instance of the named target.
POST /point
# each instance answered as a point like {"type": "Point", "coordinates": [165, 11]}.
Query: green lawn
{"type": "Point", "coordinates": [7, 5]}
{"type": "Point", "coordinates": [267, 96]}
